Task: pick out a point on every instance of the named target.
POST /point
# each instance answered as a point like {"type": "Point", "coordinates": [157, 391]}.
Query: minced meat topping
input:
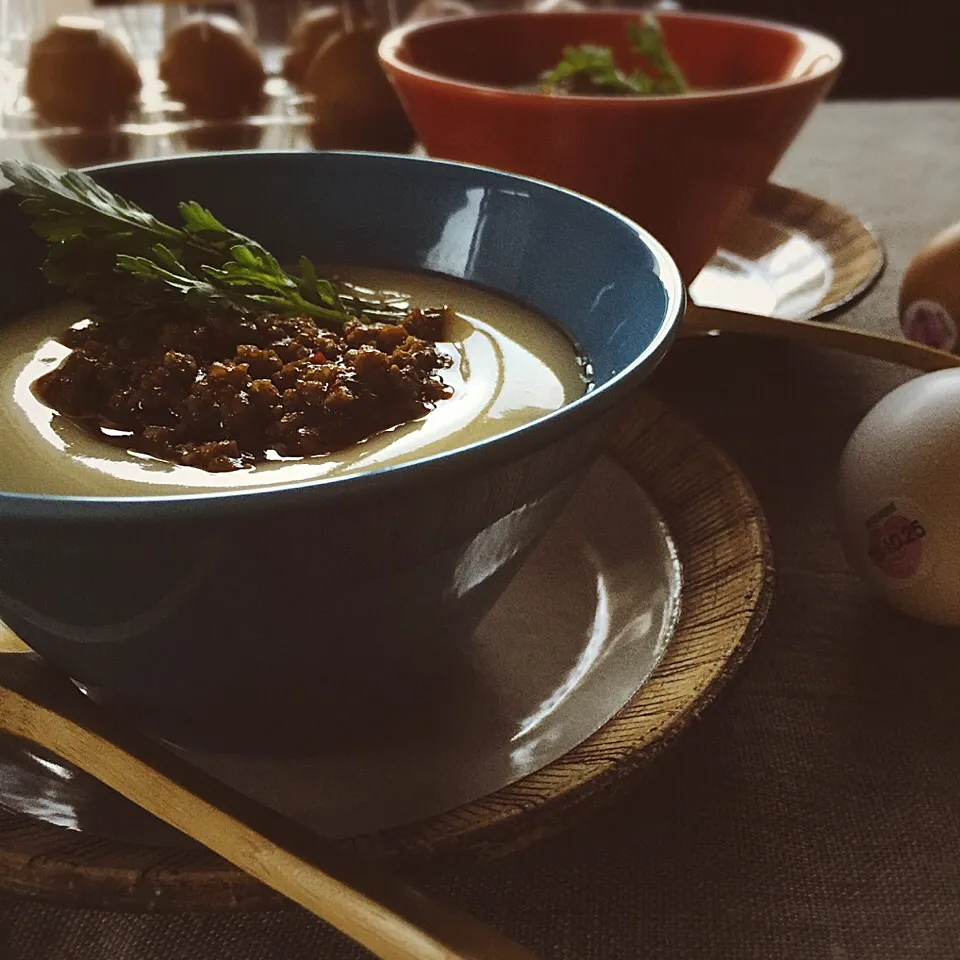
{"type": "Point", "coordinates": [223, 392]}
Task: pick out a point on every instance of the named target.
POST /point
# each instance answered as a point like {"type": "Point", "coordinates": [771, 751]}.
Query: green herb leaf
{"type": "Point", "coordinates": [646, 39]}
{"type": "Point", "coordinates": [588, 64]}
{"type": "Point", "coordinates": [126, 262]}
{"type": "Point", "coordinates": [591, 69]}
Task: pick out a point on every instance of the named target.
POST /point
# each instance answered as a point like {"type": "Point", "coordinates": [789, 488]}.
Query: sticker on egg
{"type": "Point", "coordinates": [929, 323]}
{"type": "Point", "coordinates": [893, 538]}
{"type": "Point", "coordinates": [899, 498]}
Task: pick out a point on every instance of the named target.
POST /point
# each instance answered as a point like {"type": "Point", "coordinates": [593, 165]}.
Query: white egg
{"type": "Point", "coordinates": [899, 498]}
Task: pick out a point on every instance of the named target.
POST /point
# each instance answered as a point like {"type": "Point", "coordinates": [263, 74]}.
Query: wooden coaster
{"type": "Point", "coordinates": [720, 535]}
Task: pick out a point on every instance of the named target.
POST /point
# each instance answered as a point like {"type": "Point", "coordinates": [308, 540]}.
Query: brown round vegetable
{"type": "Point", "coordinates": [78, 74]}
{"type": "Point", "coordinates": [211, 66]}
{"type": "Point", "coordinates": [930, 292]}
{"type": "Point", "coordinates": [309, 33]}
{"type": "Point", "coordinates": [354, 105]}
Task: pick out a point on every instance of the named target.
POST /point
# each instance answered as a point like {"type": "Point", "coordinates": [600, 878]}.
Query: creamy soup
{"type": "Point", "coordinates": [510, 366]}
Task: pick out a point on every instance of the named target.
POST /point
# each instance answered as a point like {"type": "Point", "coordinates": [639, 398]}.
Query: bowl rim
{"type": "Point", "coordinates": [828, 59]}
{"type": "Point", "coordinates": [488, 452]}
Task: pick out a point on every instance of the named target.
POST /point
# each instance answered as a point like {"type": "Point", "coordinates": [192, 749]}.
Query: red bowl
{"type": "Point", "coordinates": [684, 167]}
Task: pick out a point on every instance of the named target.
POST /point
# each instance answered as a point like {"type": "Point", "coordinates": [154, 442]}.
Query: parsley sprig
{"type": "Point", "coordinates": [124, 261]}
{"type": "Point", "coordinates": [589, 68]}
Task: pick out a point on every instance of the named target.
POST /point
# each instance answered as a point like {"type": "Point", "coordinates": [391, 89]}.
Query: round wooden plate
{"type": "Point", "coordinates": [721, 539]}
{"type": "Point", "coordinates": [792, 256]}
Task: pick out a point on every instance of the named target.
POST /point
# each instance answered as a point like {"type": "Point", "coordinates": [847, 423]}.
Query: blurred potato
{"type": "Point", "coordinates": [354, 105]}
{"type": "Point", "coordinates": [213, 68]}
{"type": "Point", "coordinates": [307, 36]}
{"type": "Point", "coordinates": [78, 74]}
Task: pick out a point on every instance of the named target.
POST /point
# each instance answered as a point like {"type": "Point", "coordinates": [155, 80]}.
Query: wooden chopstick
{"type": "Point", "coordinates": [700, 320]}
{"type": "Point", "coordinates": [393, 920]}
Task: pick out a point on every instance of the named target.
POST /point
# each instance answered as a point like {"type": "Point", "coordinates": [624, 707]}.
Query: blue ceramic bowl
{"type": "Point", "coordinates": [216, 606]}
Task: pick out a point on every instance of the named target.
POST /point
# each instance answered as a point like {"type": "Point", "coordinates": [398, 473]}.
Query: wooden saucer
{"type": "Point", "coordinates": [717, 529]}
{"type": "Point", "coordinates": [792, 256]}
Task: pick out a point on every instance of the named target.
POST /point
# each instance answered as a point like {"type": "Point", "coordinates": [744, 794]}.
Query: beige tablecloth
{"type": "Point", "coordinates": [814, 812]}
